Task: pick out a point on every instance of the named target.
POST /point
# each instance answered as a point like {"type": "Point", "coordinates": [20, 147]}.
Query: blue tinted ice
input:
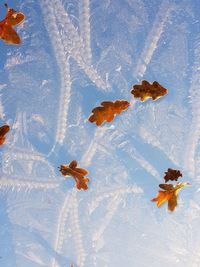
{"type": "Point", "coordinates": [74, 55]}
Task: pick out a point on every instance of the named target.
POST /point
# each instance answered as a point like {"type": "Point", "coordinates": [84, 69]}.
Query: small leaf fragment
{"type": "Point", "coordinates": [3, 131]}
{"type": "Point", "coordinates": [77, 173]}
{"type": "Point", "coordinates": [147, 90]}
{"type": "Point", "coordinates": [107, 111]}
{"type": "Point", "coordinates": [172, 175]}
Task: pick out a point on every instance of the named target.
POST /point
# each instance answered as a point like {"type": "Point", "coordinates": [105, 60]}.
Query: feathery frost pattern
{"type": "Point", "coordinates": [65, 46]}
{"type": "Point", "coordinates": [69, 211]}
{"type": "Point", "coordinates": [80, 252]}
{"type": "Point", "coordinates": [76, 44]}
{"type": "Point", "coordinates": [16, 184]}
{"type": "Point", "coordinates": [195, 125]}
{"type": "Point", "coordinates": [96, 45]}
{"type": "Point", "coordinates": [59, 235]}
{"type": "Point", "coordinates": [63, 63]}
{"type": "Point", "coordinates": [153, 37]}
{"type": "Point", "coordinates": [112, 194]}
{"type": "Point", "coordinates": [84, 21]}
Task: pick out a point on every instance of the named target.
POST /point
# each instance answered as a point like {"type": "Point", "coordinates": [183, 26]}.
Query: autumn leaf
{"type": "Point", "coordinates": [172, 175]}
{"type": "Point", "coordinates": [147, 90]}
{"type": "Point", "coordinates": [77, 173]}
{"type": "Point", "coordinates": [169, 194]}
{"type": "Point", "coordinates": [108, 111]}
{"type": "Point", "coordinates": [7, 33]}
{"type": "Point", "coordinates": [3, 131]}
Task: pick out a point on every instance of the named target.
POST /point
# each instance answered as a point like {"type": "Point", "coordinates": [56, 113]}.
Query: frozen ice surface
{"type": "Point", "coordinates": [76, 54]}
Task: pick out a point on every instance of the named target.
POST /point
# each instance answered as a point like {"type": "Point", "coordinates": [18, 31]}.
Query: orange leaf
{"type": "Point", "coordinates": [3, 131]}
{"type": "Point", "coordinates": [172, 175]}
{"type": "Point", "coordinates": [169, 194]}
{"type": "Point", "coordinates": [147, 90]}
{"type": "Point", "coordinates": [162, 197]}
{"type": "Point", "coordinates": [77, 173]}
{"type": "Point", "coordinates": [7, 33]}
{"type": "Point", "coordinates": [108, 111]}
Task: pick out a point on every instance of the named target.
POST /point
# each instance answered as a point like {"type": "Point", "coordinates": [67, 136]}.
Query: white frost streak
{"type": "Point", "coordinates": [113, 206]}
{"type": "Point", "coordinates": [59, 236]}
{"type": "Point", "coordinates": [137, 157]}
{"type": "Point", "coordinates": [84, 18]}
{"type": "Point", "coordinates": [2, 115]}
{"type": "Point", "coordinates": [89, 154]}
{"type": "Point", "coordinates": [74, 45]}
{"type": "Point", "coordinates": [195, 125]}
{"type": "Point", "coordinates": [149, 138]}
{"type": "Point", "coordinates": [153, 38]}
{"type": "Point", "coordinates": [66, 45]}
{"type": "Point", "coordinates": [69, 207]}
{"type": "Point", "coordinates": [110, 194]}
{"type": "Point", "coordinates": [63, 63]}
{"type": "Point", "coordinates": [77, 232]}
{"type": "Point", "coordinates": [19, 184]}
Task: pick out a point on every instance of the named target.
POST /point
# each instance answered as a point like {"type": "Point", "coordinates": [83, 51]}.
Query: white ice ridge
{"type": "Point", "coordinates": [59, 235]}
{"type": "Point", "coordinates": [194, 135]}
{"type": "Point", "coordinates": [77, 235]}
{"type": "Point", "coordinates": [116, 196]}
{"type": "Point", "coordinates": [111, 210]}
{"type": "Point", "coordinates": [131, 151]}
{"type": "Point", "coordinates": [84, 23]}
{"type": "Point", "coordinates": [69, 211]}
{"type": "Point", "coordinates": [74, 44]}
{"type": "Point", "coordinates": [127, 147]}
{"type": "Point", "coordinates": [153, 37]}
{"type": "Point", "coordinates": [93, 146]}
{"type": "Point", "coordinates": [63, 63]}
{"type": "Point", "coordinates": [21, 184]}
{"type": "Point", "coordinates": [63, 105]}
{"type": "Point", "coordinates": [17, 154]}
{"type": "Point", "coordinates": [112, 193]}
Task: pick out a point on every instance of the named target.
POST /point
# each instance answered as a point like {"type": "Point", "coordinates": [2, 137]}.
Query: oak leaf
{"type": "Point", "coordinates": [172, 175]}
{"type": "Point", "coordinates": [77, 173]}
{"type": "Point", "coordinates": [147, 90]}
{"type": "Point", "coordinates": [108, 111]}
{"type": "Point", "coordinates": [3, 131]}
{"type": "Point", "coordinates": [7, 33]}
{"type": "Point", "coordinates": [169, 194]}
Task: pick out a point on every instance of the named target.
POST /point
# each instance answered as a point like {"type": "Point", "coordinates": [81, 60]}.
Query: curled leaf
{"type": "Point", "coordinates": [169, 194]}
{"type": "Point", "coordinates": [7, 33]}
{"type": "Point", "coordinates": [108, 111]}
{"type": "Point", "coordinates": [3, 131]}
{"type": "Point", "coordinates": [77, 173]}
{"type": "Point", "coordinates": [147, 90]}
{"type": "Point", "coordinates": [172, 175]}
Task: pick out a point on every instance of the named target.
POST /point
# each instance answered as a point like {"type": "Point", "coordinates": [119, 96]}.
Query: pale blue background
{"type": "Point", "coordinates": [76, 54]}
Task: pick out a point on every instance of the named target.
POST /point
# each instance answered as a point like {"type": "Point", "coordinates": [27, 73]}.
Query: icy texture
{"type": "Point", "coordinates": [76, 54]}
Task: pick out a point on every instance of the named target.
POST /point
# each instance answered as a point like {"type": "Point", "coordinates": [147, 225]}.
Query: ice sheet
{"type": "Point", "coordinates": [74, 55]}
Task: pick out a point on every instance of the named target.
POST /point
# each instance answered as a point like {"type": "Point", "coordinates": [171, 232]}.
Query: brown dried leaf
{"type": "Point", "coordinates": [7, 33]}
{"type": "Point", "coordinates": [147, 90]}
{"type": "Point", "coordinates": [172, 175]}
{"type": "Point", "coordinates": [77, 173]}
{"type": "Point", "coordinates": [169, 194]}
{"type": "Point", "coordinates": [3, 131]}
{"type": "Point", "coordinates": [108, 111]}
